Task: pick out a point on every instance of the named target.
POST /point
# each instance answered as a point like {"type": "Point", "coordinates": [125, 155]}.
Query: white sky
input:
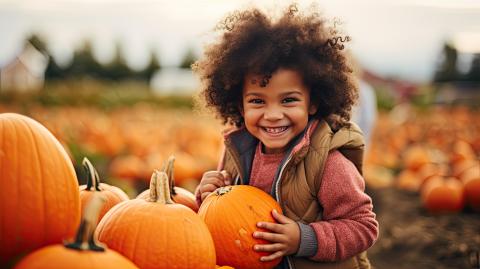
{"type": "Point", "coordinates": [401, 38]}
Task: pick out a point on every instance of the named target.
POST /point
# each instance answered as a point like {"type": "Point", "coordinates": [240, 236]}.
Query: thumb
{"type": "Point", "coordinates": [280, 218]}
{"type": "Point", "coordinates": [227, 178]}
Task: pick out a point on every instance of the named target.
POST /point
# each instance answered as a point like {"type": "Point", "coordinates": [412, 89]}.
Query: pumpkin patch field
{"type": "Point", "coordinates": [421, 169]}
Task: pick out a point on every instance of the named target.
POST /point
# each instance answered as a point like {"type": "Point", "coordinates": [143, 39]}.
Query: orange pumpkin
{"type": "Point", "coordinates": [231, 214]}
{"type": "Point", "coordinates": [112, 194]}
{"type": "Point", "coordinates": [408, 180]}
{"type": "Point", "coordinates": [461, 150]}
{"type": "Point", "coordinates": [39, 197]}
{"type": "Point", "coordinates": [179, 195]}
{"type": "Point", "coordinates": [127, 167]}
{"type": "Point", "coordinates": [85, 252]}
{"type": "Point", "coordinates": [443, 195]}
{"type": "Point", "coordinates": [157, 233]}
{"type": "Point", "coordinates": [471, 181]}
{"type": "Point", "coordinates": [416, 156]}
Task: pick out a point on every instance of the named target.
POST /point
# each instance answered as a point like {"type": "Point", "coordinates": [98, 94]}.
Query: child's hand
{"type": "Point", "coordinates": [284, 237]}
{"type": "Point", "coordinates": [213, 180]}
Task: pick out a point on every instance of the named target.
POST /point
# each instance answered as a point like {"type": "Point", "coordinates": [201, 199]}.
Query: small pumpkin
{"type": "Point", "coordinates": [39, 197]}
{"type": "Point", "coordinates": [113, 195]}
{"type": "Point", "coordinates": [84, 252]}
{"type": "Point", "coordinates": [416, 156]}
{"type": "Point", "coordinates": [471, 181]}
{"type": "Point", "coordinates": [231, 214]}
{"type": "Point", "coordinates": [156, 233]}
{"type": "Point", "coordinates": [179, 195]}
{"type": "Point", "coordinates": [127, 167]}
{"type": "Point", "coordinates": [443, 195]}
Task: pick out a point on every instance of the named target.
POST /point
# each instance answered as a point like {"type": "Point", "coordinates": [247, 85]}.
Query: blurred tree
{"type": "Point", "coordinates": [474, 73]}
{"type": "Point", "coordinates": [188, 59]}
{"type": "Point", "coordinates": [84, 63]}
{"type": "Point", "coordinates": [152, 67]}
{"type": "Point", "coordinates": [53, 70]}
{"type": "Point", "coordinates": [447, 68]}
{"type": "Point", "coordinates": [118, 68]}
{"type": "Point", "coordinates": [37, 42]}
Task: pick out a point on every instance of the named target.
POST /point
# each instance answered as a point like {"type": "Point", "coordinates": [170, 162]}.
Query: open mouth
{"type": "Point", "coordinates": [275, 130]}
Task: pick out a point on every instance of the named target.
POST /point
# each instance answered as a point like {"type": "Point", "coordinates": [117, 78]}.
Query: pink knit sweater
{"type": "Point", "coordinates": [348, 224]}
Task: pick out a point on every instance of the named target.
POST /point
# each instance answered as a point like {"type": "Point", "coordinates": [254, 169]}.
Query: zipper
{"type": "Point", "coordinates": [278, 198]}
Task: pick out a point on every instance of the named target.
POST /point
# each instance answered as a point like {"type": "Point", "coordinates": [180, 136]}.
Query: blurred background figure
{"type": "Point", "coordinates": [365, 112]}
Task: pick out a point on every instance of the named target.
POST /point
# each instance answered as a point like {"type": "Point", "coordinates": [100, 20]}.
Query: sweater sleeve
{"type": "Point", "coordinates": [348, 224]}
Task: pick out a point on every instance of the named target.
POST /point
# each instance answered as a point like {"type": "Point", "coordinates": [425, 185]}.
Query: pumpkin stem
{"type": "Point", "coordinates": [159, 189]}
{"type": "Point", "coordinates": [169, 171]}
{"type": "Point", "coordinates": [93, 180]}
{"type": "Point", "coordinates": [84, 240]}
{"type": "Point", "coordinates": [223, 190]}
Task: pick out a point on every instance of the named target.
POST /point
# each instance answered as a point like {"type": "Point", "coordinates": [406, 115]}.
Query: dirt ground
{"type": "Point", "coordinates": [410, 237]}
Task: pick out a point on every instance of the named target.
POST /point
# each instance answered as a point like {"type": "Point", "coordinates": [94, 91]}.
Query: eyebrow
{"type": "Point", "coordinates": [283, 94]}
{"type": "Point", "coordinates": [293, 92]}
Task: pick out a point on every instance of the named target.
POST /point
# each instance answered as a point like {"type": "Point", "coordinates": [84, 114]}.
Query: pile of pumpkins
{"type": "Point", "coordinates": [434, 154]}
{"type": "Point", "coordinates": [100, 227]}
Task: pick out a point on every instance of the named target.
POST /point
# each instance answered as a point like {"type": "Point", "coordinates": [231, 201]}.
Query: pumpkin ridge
{"type": "Point", "coordinates": [2, 171]}
{"type": "Point", "coordinates": [38, 166]}
{"type": "Point", "coordinates": [137, 238]}
{"type": "Point", "coordinates": [17, 216]}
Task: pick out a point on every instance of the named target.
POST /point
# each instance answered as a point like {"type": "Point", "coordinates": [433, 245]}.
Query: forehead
{"type": "Point", "coordinates": [282, 79]}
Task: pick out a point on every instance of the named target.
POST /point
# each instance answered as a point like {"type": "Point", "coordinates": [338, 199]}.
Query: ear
{"type": "Point", "coordinates": [312, 109]}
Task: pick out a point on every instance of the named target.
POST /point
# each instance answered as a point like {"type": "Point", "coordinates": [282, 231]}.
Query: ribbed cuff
{"type": "Point", "coordinates": [308, 241]}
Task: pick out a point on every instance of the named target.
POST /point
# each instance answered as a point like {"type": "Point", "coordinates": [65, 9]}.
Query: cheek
{"type": "Point", "coordinates": [300, 114]}
{"type": "Point", "coordinates": [251, 116]}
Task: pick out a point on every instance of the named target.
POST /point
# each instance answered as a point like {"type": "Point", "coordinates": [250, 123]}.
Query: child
{"type": "Point", "coordinates": [287, 88]}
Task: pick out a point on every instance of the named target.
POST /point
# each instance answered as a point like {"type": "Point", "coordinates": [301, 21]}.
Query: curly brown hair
{"type": "Point", "coordinates": [252, 43]}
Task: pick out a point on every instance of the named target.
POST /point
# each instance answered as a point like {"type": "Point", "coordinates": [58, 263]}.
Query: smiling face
{"type": "Point", "coordinates": [277, 113]}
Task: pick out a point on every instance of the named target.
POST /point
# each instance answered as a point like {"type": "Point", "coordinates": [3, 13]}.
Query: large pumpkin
{"type": "Point", "coordinates": [179, 195]}
{"type": "Point", "coordinates": [83, 253]}
{"type": "Point", "coordinates": [39, 197]}
{"type": "Point", "coordinates": [156, 233]}
{"type": "Point", "coordinates": [113, 195]}
{"type": "Point", "coordinates": [231, 214]}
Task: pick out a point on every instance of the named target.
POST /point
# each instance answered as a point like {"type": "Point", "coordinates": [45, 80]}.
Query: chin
{"type": "Point", "coordinates": [276, 148]}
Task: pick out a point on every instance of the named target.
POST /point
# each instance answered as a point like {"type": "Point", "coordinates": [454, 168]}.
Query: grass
{"type": "Point", "coordinates": [101, 94]}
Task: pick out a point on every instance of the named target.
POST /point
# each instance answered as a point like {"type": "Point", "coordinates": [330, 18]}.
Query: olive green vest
{"type": "Point", "coordinates": [299, 179]}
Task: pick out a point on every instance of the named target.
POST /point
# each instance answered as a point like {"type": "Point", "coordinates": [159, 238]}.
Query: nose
{"type": "Point", "coordinates": [273, 113]}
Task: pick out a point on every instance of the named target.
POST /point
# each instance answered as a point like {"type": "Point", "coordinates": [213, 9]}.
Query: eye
{"type": "Point", "coordinates": [255, 101]}
{"type": "Point", "coordinates": [290, 100]}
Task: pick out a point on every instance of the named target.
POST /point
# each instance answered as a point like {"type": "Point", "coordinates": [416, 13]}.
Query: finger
{"type": "Point", "coordinates": [272, 257]}
{"type": "Point", "coordinates": [227, 178]}
{"type": "Point", "coordinates": [204, 195]}
{"type": "Point", "coordinates": [272, 237]}
{"type": "Point", "coordinates": [268, 247]}
{"type": "Point", "coordinates": [211, 174]}
{"type": "Point", "coordinates": [217, 181]}
{"type": "Point", "coordinates": [274, 227]}
{"type": "Point", "coordinates": [280, 218]}
{"type": "Point", "coordinates": [208, 188]}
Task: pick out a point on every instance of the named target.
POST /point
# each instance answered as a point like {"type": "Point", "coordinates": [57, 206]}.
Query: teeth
{"type": "Point", "coordinates": [275, 130]}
